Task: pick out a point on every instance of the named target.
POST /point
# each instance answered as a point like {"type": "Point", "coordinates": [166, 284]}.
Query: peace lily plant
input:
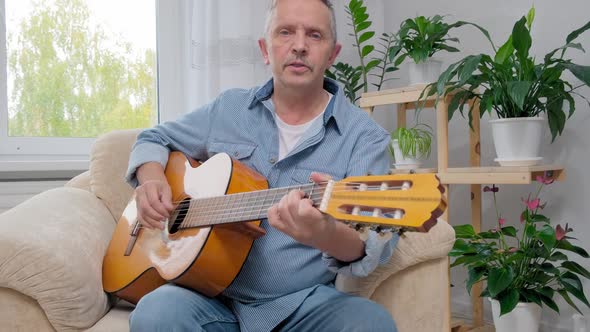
{"type": "Point", "coordinates": [532, 266]}
{"type": "Point", "coordinates": [511, 82]}
{"type": "Point", "coordinates": [419, 39]}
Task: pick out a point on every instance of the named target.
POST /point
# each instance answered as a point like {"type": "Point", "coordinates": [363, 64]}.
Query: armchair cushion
{"type": "Point", "coordinates": [108, 164]}
{"type": "Point", "coordinates": [51, 249]}
{"type": "Point", "coordinates": [412, 248]}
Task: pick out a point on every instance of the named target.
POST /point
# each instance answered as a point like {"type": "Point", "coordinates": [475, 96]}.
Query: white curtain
{"type": "Point", "coordinates": [223, 50]}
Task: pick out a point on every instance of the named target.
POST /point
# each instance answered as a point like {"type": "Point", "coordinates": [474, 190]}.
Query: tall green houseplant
{"type": "Point", "coordinates": [373, 69]}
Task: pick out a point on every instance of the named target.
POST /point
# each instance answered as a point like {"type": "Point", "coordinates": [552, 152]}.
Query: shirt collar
{"type": "Point", "coordinates": [265, 91]}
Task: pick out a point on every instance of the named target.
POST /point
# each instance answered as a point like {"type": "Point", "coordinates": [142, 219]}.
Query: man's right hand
{"type": "Point", "coordinates": [153, 197]}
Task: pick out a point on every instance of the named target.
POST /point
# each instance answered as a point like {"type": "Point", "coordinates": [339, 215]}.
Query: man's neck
{"type": "Point", "coordinates": [301, 106]}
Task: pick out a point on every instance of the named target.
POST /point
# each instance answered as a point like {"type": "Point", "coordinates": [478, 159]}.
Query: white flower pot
{"type": "Point", "coordinates": [518, 140]}
{"type": "Point", "coordinates": [402, 162]}
{"type": "Point", "coordinates": [526, 317]}
{"type": "Point", "coordinates": [425, 72]}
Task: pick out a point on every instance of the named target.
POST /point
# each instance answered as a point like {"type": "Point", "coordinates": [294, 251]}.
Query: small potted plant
{"type": "Point", "coordinates": [518, 88]}
{"type": "Point", "coordinates": [408, 146]}
{"type": "Point", "coordinates": [522, 272]}
{"type": "Point", "coordinates": [419, 39]}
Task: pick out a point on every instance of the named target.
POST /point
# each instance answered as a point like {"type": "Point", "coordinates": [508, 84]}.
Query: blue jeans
{"type": "Point", "coordinates": [173, 308]}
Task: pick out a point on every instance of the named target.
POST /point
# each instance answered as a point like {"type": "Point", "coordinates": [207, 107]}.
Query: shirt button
{"type": "Point", "coordinates": [272, 160]}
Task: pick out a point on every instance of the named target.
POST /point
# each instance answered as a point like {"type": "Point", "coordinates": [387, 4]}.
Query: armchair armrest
{"type": "Point", "coordinates": [51, 249]}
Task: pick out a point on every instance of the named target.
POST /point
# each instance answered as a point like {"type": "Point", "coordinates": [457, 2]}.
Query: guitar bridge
{"type": "Point", "coordinates": [132, 238]}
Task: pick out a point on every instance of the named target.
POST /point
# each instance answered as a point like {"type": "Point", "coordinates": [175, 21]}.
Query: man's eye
{"type": "Point", "coordinates": [284, 32]}
{"type": "Point", "coordinates": [316, 35]}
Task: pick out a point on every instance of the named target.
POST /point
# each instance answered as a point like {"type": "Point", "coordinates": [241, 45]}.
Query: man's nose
{"type": "Point", "coordinates": [299, 46]}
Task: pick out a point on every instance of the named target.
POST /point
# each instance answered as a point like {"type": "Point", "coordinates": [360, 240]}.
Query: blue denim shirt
{"type": "Point", "coordinates": [279, 272]}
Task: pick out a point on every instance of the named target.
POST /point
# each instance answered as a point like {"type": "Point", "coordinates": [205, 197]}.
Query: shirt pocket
{"type": "Point", "coordinates": [239, 151]}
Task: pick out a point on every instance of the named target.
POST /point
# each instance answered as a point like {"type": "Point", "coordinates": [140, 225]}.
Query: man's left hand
{"type": "Point", "coordinates": [296, 216]}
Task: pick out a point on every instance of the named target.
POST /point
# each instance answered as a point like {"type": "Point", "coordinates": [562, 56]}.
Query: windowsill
{"type": "Point", "coordinates": [41, 170]}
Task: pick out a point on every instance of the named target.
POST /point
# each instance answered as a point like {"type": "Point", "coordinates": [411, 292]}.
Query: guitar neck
{"type": "Point", "coordinates": [202, 212]}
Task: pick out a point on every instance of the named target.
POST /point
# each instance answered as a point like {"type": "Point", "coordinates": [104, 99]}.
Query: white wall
{"type": "Point", "coordinates": [567, 199]}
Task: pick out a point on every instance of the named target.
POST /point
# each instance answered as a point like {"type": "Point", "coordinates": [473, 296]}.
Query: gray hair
{"type": "Point", "coordinates": [273, 5]}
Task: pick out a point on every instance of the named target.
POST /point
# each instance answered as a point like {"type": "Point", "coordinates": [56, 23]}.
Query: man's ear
{"type": "Point", "coordinates": [335, 52]}
{"type": "Point", "coordinates": [264, 50]}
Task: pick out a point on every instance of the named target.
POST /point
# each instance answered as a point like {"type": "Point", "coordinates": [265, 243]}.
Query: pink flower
{"type": "Point", "coordinates": [544, 179]}
{"type": "Point", "coordinates": [532, 205]}
{"type": "Point", "coordinates": [501, 221]}
{"type": "Point", "coordinates": [559, 233]}
{"type": "Point", "coordinates": [512, 249]}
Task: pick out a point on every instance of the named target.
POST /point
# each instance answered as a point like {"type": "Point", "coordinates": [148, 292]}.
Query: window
{"type": "Point", "coordinates": [72, 70]}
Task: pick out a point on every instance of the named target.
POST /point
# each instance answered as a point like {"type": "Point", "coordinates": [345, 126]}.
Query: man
{"type": "Point", "coordinates": [297, 127]}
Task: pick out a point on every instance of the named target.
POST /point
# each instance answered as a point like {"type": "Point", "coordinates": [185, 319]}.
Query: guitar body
{"type": "Point", "coordinates": [206, 259]}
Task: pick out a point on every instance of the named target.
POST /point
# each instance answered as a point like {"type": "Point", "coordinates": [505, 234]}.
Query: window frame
{"type": "Point", "coordinates": [169, 46]}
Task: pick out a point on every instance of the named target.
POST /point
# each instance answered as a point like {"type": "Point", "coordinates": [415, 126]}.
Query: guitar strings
{"type": "Point", "coordinates": [238, 211]}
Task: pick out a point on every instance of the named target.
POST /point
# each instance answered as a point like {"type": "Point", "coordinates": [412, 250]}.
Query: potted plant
{"type": "Point", "coordinates": [408, 146]}
{"type": "Point", "coordinates": [357, 78]}
{"type": "Point", "coordinates": [522, 271]}
{"type": "Point", "coordinates": [518, 89]}
{"type": "Point", "coordinates": [419, 39]}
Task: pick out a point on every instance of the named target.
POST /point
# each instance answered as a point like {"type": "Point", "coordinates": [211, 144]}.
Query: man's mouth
{"type": "Point", "coordinates": [297, 65]}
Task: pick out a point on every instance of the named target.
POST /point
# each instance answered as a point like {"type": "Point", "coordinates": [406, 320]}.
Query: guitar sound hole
{"type": "Point", "coordinates": [178, 216]}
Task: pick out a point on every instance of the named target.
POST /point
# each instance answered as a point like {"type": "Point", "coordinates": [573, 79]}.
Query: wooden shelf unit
{"type": "Point", "coordinates": [475, 175]}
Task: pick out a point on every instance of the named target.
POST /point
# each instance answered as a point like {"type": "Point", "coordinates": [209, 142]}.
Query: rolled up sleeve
{"type": "Point", "coordinates": [378, 250]}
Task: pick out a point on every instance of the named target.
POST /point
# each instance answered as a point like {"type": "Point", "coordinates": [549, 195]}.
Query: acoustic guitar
{"type": "Point", "coordinates": [205, 243]}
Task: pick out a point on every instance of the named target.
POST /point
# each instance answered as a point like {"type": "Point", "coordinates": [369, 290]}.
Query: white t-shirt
{"type": "Point", "coordinates": [290, 135]}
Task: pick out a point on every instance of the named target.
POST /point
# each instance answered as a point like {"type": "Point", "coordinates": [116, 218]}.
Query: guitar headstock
{"type": "Point", "coordinates": [408, 201]}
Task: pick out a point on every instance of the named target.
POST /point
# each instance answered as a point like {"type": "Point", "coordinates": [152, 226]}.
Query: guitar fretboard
{"type": "Point", "coordinates": [244, 206]}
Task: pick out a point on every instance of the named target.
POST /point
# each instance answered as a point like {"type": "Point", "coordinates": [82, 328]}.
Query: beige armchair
{"type": "Point", "coordinates": [52, 246]}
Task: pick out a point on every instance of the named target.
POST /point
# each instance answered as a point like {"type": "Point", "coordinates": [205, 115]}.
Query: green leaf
{"type": "Point", "coordinates": [464, 231]}
{"type": "Point", "coordinates": [518, 90]}
{"type": "Point", "coordinates": [521, 39]}
{"type": "Point", "coordinates": [372, 64]}
{"type": "Point", "coordinates": [510, 231]}
{"type": "Point", "coordinates": [530, 17]}
{"type": "Point", "coordinates": [574, 34]}
{"type": "Point", "coordinates": [549, 302]}
{"type": "Point", "coordinates": [508, 301]}
{"type": "Point", "coordinates": [539, 218]}
{"type": "Point", "coordinates": [573, 285]}
{"type": "Point", "coordinates": [363, 26]}
{"type": "Point", "coordinates": [504, 51]}
{"type": "Point", "coordinates": [547, 236]}
{"type": "Point", "coordinates": [475, 275]}
{"type": "Point", "coordinates": [568, 299]}
{"type": "Point", "coordinates": [566, 245]}
{"type": "Point", "coordinates": [462, 247]}
{"type": "Point", "coordinates": [549, 268]}
{"type": "Point", "coordinates": [499, 279]}
{"type": "Point", "coordinates": [576, 268]}
{"type": "Point", "coordinates": [470, 64]}
{"type": "Point", "coordinates": [581, 72]}
{"type": "Point", "coordinates": [366, 50]}
{"type": "Point", "coordinates": [558, 256]}
{"type": "Point", "coordinates": [467, 259]}
{"type": "Point", "coordinates": [366, 36]}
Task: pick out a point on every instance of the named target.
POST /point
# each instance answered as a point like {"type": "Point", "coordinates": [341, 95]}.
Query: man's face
{"type": "Point", "coordinates": [299, 46]}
